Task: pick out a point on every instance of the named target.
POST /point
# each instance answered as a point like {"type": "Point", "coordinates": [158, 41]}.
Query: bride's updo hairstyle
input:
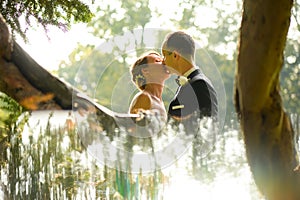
{"type": "Point", "coordinates": [136, 70]}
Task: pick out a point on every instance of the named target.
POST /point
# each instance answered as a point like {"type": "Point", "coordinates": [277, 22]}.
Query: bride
{"type": "Point", "coordinates": [149, 74]}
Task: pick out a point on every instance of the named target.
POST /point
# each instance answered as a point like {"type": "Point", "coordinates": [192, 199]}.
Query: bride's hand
{"type": "Point", "coordinates": [142, 114]}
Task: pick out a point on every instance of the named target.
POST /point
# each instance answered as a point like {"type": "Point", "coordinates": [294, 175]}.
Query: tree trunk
{"type": "Point", "coordinates": [26, 81]}
{"type": "Point", "coordinates": [268, 134]}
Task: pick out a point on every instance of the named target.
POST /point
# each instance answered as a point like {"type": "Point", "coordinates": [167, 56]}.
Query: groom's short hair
{"type": "Point", "coordinates": [181, 42]}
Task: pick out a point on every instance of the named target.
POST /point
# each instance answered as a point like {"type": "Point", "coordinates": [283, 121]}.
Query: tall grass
{"type": "Point", "coordinates": [49, 162]}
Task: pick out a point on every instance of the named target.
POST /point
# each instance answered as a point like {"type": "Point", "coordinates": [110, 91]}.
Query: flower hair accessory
{"type": "Point", "coordinates": [137, 77]}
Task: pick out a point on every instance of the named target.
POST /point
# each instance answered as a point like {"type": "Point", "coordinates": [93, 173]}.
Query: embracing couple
{"type": "Point", "coordinates": [195, 94]}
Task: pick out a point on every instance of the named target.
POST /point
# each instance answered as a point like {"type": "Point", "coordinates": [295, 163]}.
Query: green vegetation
{"type": "Point", "coordinates": [10, 110]}
{"type": "Point", "coordinates": [55, 13]}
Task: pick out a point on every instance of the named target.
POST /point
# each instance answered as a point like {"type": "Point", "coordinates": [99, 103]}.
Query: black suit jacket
{"type": "Point", "coordinates": [197, 95]}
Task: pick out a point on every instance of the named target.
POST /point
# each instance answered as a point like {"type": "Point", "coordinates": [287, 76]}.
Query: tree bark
{"type": "Point", "coordinates": [267, 130]}
{"type": "Point", "coordinates": [26, 81]}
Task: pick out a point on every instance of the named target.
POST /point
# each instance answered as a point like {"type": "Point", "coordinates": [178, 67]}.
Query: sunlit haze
{"type": "Point", "coordinates": [50, 51]}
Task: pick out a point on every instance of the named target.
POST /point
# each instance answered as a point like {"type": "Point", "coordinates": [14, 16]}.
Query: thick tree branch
{"type": "Point", "coordinates": [23, 79]}
{"type": "Point", "coordinates": [40, 78]}
{"type": "Point", "coordinates": [268, 134]}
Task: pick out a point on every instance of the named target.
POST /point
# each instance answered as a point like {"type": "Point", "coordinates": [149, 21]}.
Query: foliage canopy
{"type": "Point", "coordinates": [57, 13]}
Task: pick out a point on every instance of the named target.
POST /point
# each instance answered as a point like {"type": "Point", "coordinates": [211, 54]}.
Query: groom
{"type": "Point", "coordinates": [195, 94]}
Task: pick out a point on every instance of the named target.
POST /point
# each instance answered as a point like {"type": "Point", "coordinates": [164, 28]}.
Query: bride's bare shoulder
{"type": "Point", "coordinates": [141, 100]}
